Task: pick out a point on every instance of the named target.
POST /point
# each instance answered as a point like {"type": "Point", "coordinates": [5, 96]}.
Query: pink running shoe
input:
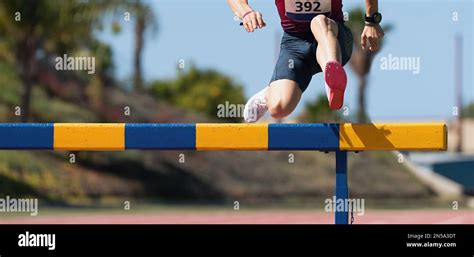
{"type": "Point", "coordinates": [336, 81]}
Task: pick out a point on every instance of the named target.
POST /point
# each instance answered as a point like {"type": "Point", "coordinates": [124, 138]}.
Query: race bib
{"type": "Point", "coordinates": [305, 10]}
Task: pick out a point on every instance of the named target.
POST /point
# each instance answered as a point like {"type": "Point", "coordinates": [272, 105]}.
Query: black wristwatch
{"type": "Point", "coordinates": [376, 18]}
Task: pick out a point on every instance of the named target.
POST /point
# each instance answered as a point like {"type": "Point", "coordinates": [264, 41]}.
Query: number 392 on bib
{"type": "Point", "coordinates": [305, 10]}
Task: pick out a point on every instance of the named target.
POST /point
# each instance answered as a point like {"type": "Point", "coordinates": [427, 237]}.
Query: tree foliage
{"type": "Point", "coordinates": [468, 111]}
{"type": "Point", "coordinates": [317, 111]}
{"type": "Point", "coordinates": [199, 90]}
{"type": "Point", "coordinates": [35, 32]}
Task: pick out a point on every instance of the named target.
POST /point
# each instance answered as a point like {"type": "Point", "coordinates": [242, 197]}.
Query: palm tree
{"type": "Point", "coordinates": [18, 25]}
{"type": "Point", "coordinates": [145, 19]}
{"type": "Point", "coordinates": [361, 60]}
{"type": "Point", "coordinates": [45, 28]}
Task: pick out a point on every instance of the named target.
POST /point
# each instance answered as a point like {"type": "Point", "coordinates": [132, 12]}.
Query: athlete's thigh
{"type": "Point", "coordinates": [294, 61]}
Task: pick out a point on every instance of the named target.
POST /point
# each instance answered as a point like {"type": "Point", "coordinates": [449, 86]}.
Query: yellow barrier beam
{"type": "Point", "coordinates": [377, 137]}
{"type": "Point", "coordinates": [100, 137]}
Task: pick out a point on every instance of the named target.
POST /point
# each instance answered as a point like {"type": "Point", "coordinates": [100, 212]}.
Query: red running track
{"type": "Point", "coordinates": [254, 217]}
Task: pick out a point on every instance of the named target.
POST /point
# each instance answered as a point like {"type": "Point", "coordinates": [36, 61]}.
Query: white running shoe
{"type": "Point", "coordinates": [256, 107]}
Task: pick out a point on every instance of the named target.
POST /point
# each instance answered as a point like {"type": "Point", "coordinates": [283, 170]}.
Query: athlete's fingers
{"type": "Point", "coordinates": [253, 19]}
{"type": "Point", "coordinates": [362, 41]}
{"type": "Point", "coordinates": [248, 22]}
{"type": "Point", "coordinates": [250, 26]}
{"type": "Point", "coordinates": [246, 26]}
{"type": "Point", "coordinates": [260, 22]}
{"type": "Point", "coordinates": [374, 44]}
{"type": "Point", "coordinates": [371, 43]}
{"type": "Point", "coordinates": [258, 18]}
{"type": "Point", "coordinates": [377, 44]}
{"type": "Point", "coordinates": [381, 33]}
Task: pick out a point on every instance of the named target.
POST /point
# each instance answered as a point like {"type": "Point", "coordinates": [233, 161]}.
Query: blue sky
{"type": "Point", "coordinates": [203, 32]}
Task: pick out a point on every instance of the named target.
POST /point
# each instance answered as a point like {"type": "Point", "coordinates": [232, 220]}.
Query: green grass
{"type": "Point", "coordinates": [57, 110]}
{"type": "Point", "coordinates": [33, 174]}
{"type": "Point", "coordinates": [9, 85]}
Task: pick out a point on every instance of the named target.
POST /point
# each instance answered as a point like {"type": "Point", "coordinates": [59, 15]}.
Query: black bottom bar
{"type": "Point", "coordinates": [242, 240]}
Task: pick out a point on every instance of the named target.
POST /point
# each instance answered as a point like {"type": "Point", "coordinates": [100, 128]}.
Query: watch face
{"type": "Point", "coordinates": [377, 18]}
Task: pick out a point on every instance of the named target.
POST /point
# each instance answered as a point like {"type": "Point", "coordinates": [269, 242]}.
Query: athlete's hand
{"type": "Point", "coordinates": [253, 21]}
{"type": "Point", "coordinates": [373, 34]}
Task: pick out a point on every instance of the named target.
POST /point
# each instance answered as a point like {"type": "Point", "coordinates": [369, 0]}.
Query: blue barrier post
{"type": "Point", "coordinates": [342, 192]}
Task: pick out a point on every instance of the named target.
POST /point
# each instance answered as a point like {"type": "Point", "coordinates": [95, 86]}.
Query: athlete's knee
{"type": "Point", "coordinates": [323, 25]}
{"type": "Point", "coordinates": [319, 23]}
{"type": "Point", "coordinates": [319, 20]}
{"type": "Point", "coordinates": [278, 110]}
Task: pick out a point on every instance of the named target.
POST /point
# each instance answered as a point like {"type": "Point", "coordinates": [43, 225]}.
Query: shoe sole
{"type": "Point", "coordinates": [336, 79]}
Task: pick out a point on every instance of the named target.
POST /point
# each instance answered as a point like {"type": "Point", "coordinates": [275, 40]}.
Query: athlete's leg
{"type": "Point", "coordinates": [328, 55]}
{"type": "Point", "coordinates": [325, 32]}
{"type": "Point", "coordinates": [282, 97]}
{"type": "Point", "coordinates": [290, 78]}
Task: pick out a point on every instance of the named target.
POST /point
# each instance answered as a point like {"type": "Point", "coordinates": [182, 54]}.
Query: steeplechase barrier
{"type": "Point", "coordinates": [339, 138]}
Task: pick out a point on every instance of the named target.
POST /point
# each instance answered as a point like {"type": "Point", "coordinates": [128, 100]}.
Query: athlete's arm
{"type": "Point", "coordinates": [372, 33]}
{"type": "Point", "coordinates": [250, 18]}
